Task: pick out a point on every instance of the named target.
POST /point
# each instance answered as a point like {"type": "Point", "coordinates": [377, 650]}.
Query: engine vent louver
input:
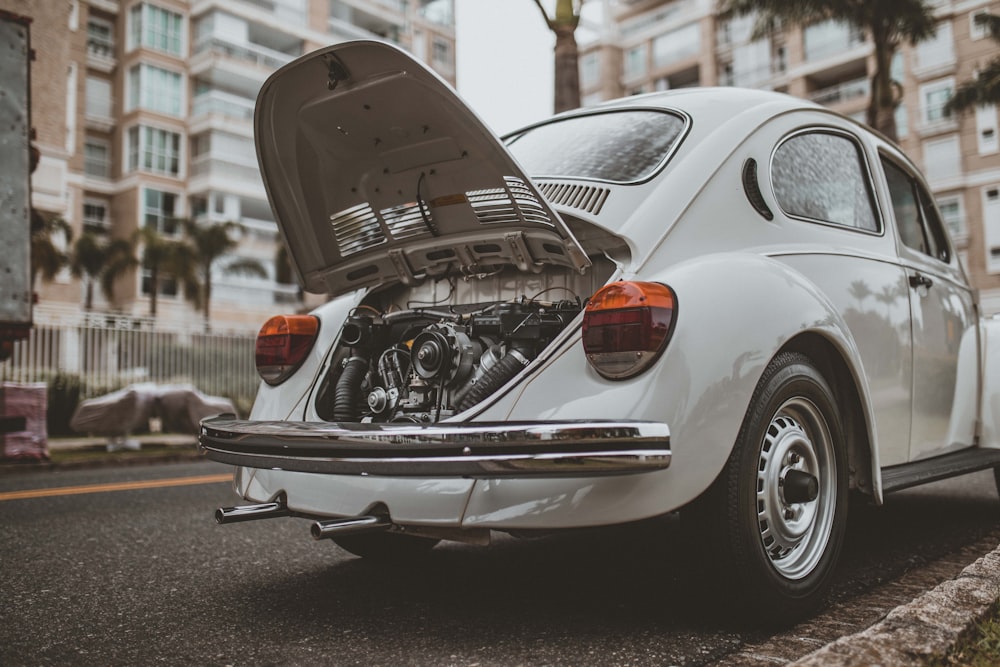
{"type": "Point", "coordinates": [509, 204]}
{"type": "Point", "coordinates": [405, 221]}
{"type": "Point", "coordinates": [587, 198]}
{"type": "Point", "coordinates": [360, 228]}
{"type": "Point", "coordinates": [356, 229]}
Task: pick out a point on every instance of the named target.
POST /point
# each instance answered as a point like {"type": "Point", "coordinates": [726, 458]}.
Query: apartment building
{"type": "Point", "coordinates": [143, 112]}
{"type": "Point", "coordinates": [657, 45]}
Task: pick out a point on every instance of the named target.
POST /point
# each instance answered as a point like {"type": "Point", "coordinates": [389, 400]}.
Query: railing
{"type": "Point", "coordinates": [257, 55]}
{"type": "Point", "coordinates": [290, 12]}
{"type": "Point", "coordinates": [841, 92]}
{"type": "Point", "coordinates": [107, 353]}
{"type": "Point", "coordinates": [231, 106]}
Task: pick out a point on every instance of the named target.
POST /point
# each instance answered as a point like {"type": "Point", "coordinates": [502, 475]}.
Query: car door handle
{"type": "Point", "coordinates": [920, 280]}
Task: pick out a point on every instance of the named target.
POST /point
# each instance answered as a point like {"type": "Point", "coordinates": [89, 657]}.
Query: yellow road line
{"type": "Point", "coordinates": [120, 486]}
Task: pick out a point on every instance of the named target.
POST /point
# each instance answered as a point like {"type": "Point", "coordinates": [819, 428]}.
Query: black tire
{"type": "Point", "coordinates": [386, 547]}
{"type": "Point", "coordinates": [782, 549]}
{"type": "Point", "coordinates": [996, 478]}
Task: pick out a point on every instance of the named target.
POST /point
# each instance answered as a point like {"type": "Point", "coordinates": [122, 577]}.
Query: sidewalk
{"type": "Point", "coordinates": [84, 452]}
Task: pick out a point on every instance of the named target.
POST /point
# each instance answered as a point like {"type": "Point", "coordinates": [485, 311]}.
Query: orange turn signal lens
{"type": "Point", "coordinates": [626, 326]}
{"type": "Point", "coordinates": [283, 344]}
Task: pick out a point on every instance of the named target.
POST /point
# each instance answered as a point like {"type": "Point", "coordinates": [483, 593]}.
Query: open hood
{"type": "Point", "coordinates": [377, 172]}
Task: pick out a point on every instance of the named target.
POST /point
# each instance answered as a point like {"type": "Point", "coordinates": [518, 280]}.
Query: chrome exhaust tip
{"type": "Point", "coordinates": [321, 530]}
{"type": "Point", "coordinates": [250, 512]}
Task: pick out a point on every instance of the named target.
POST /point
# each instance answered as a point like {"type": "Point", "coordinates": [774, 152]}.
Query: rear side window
{"type": "Point", "coordinates": [614, 146]}
{"type": "Point", "coordinates": [917, 219]}
{"type": "Point", "coordinates": [822, 176]}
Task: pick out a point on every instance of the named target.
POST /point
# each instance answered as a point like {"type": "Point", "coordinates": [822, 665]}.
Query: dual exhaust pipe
{"type": "Point", "coordinates": [320, 530]}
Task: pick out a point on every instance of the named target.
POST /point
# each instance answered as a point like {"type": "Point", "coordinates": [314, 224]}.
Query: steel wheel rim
{"type": "Point", "coordinates": [794, 536]}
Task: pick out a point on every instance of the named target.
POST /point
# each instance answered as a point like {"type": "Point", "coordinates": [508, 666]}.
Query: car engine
{"type": "Point", "coordinates": [422, 365]}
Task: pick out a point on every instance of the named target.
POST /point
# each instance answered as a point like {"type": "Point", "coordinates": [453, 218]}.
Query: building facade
{"type": "Point", "coordinates": [654, 45]}
{"type": "Point", "coordinates": [143, 115]}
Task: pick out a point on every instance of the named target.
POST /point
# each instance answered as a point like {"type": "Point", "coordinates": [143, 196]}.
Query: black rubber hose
{"type": "Point", "coordinates": [497, 376]}
{"type": "Point", "coordinates": [347, 394]}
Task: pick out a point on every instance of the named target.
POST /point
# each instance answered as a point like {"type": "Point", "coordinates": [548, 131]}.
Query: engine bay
{"type": "Point", "coordinates": [422, 365]}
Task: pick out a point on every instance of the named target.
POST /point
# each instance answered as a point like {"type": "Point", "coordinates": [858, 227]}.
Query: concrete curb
{"type": "Point", "coordinates": [927, 627]}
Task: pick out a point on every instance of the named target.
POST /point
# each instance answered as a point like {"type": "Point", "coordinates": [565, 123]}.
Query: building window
{"type": "Point", "coordinates": [96, 158]}
{"type": "Point", "coordinates": [635, 62]}
{"type": "Point", "coordinates": [933, 97]}
{"type": "Point", "coordinates": [991, 227]}
{"type": "Point", "coordinates": [986, 129]}
{"type": "Point", "coordinates": [95, 216]}
{"type": "Point", "coordinates": [155, 89]}
{"type": "Point", "coordinates": [156, 28]}
{"type": "Point", "coordinates": [100, 38]}
{"type": "Point", "coordinates": [441, 53]}
{"type": "Point", "coordinates": [159, 211]}
{"type": "Point", "coordinates": [677, 45]}
{"type": "Point", "coordinates": [590, 70]}
{"type": "Point", "coordinates": [978, 30]}
{"type": "Point", "coordinates": [942, 158]}
{"type": "Point", "coordinates": [902, 122]}
{"type": "Point", "coordinates": [98, 100]}
{"type": "Point", "coordinates": [820, 176]}
{"type": "Point", "coordinates": [154, 150]}
{"type": "Point", "coordinates": [938, 50]}
{"type": "Point", "coordinates": [829, 38]}
{"type": "Point", "coordinates": [952, 215]}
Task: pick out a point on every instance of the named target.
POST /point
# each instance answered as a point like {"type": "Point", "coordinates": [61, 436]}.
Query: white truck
{"type": "Point", "coordinates": [15, 180]}
{"type": "Point", "coordinates": [15, 190]}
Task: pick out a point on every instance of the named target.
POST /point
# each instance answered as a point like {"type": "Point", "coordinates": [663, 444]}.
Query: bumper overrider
{"type": "Point", "coordinates": [469, 449]}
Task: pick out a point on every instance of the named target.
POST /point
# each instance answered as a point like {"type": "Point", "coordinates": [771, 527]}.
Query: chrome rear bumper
{"type": "Point", "coordinates": [471, 449]}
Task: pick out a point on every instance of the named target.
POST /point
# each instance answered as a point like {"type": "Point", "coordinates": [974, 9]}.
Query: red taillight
{"type": "Point", "coordinates": [283, 344]}
{"type": "Point", "coordinates": [626, 326]}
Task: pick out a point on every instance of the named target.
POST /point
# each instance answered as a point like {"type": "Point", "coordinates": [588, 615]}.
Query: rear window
{"type": "Point", "coordinates": [612, 146]}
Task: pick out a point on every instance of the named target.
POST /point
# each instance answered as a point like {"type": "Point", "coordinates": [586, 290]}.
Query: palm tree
{"type": "Point", "coordinates": [567, 70]}
{"type": "Point", "coordinates": [162, 257]}
{"type": "Point", "coordinates": [46, 257]}
{"type": "Point", "coordinates": [984, 88]}
{"type": "Point", "coordinates": [886, 22]}
{"type": "Point", "coordinates": [100, 261]}
{"type": "Point", "coordinates": [209, 242]}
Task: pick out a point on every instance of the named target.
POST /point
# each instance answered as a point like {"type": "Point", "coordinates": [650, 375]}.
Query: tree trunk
{"type": "Point", "coordinates": [207, 296]}
{"type": "Point", "coordinates": [882, 101]}
{"type": "Point", "coordinates": [567, 69]}
{"type": "Point", "coordinates": [89, 299]}
{"type": "Point", "coordinates": [154, 289]}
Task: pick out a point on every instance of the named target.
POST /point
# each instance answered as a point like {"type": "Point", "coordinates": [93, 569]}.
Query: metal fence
{"type": "Point", "coordinates": [105, 355]}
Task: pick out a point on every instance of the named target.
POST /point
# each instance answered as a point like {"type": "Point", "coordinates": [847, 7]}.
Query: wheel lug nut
{"type": "Point", "coordinates": [789, 514]}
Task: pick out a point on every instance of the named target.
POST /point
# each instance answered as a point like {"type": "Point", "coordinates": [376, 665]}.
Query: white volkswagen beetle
{"type": "Point", "coordinates": [728, 301]}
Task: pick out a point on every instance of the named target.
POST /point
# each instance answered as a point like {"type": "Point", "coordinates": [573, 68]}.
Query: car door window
{"type": "Point", "coordinates": [917, 219]}
{"type": "Point", "coordinates": [822, 176]}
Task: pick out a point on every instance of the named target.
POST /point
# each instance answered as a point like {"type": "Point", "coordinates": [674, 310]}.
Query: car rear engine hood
{"type": "Point", "coordinates": [378, 173]}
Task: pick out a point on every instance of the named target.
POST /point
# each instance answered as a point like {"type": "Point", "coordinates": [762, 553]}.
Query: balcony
{"type": "Point", "coordinates": [287, 12]}
{"type": "Point", "coordinates": [216, 109]}
{"type": "Point", "coordinates": [238, 67]}
{"type": "Point", "coordinates": [251, 54]}
{"type": "Point", "coordinates": [841, 92]}
{"type": "Point", "coordinates": [101, 55]}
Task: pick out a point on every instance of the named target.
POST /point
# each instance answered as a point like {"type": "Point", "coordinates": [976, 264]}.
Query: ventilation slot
{"type": "Point", "coordinates": [356, 229]}
{"type": "Point", "coordinates": [508, 205]}
{"type": "Point", "coordinates": [404, 221]}
{"type": "Point", "coordinates": [752, 189]}
{"type": "Point", "coordinates": [585, 198]}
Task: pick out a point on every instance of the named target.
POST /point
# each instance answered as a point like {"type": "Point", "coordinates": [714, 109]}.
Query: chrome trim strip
{"type": "Point", "coordinates": [495, 449]}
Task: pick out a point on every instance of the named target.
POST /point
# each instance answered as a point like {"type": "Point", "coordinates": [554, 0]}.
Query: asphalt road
{"type": "Point", "coordinates": [144, 575]}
